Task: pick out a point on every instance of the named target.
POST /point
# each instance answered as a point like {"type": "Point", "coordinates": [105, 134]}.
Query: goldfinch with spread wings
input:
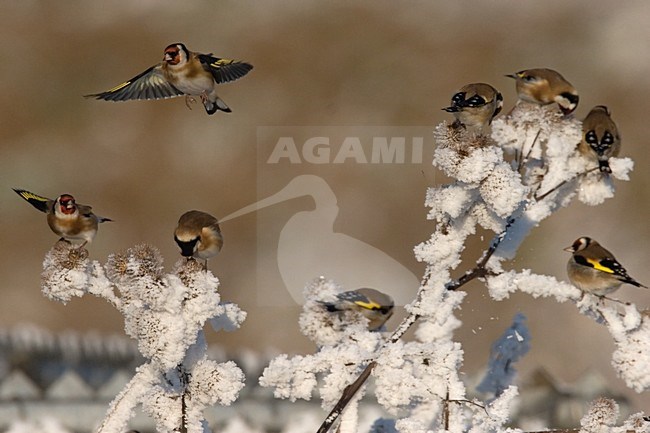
{"type": "Point", "coordinates": [181, 72]}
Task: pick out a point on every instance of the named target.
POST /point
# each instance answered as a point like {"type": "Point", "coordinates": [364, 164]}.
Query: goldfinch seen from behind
{"type": "Point", "coordinates": [181, 72]}
{"type": "Point", "coordinates": [475, 105]}
{"type": "Point", "coordinates": [594, 269]}
{"type": "Point", "coordinates": [66, 218]}
{"type": "Point", "coordinates": [600, 138]}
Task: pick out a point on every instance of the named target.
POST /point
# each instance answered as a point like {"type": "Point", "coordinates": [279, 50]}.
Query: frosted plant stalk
{"type": "Point", "coordinates": [166, 314]}
{"type": "Point", "coordinates": [506, 183]}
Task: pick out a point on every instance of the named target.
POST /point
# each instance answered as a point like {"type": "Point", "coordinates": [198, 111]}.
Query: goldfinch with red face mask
{"type": "Point", "coordinates": [181, 72]}
{"type": "Point", "coordinates": [68, 219]}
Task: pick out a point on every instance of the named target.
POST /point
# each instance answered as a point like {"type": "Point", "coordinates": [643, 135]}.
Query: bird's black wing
{"type": "Point", "coordinates": [151, 84]}
{"type": "Point", "coordinates": [41, 203]}
{"type": "Point", "coordinates": [224, 70]}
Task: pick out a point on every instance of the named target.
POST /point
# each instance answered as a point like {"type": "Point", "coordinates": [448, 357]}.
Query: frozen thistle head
{"type": "Point", "coordinates": [140, 261]}
{"type": "Point", "coordinates": [212, 382]}
{"type": "Point", "coordinates": [460, 140]}
{"type": "Point", "coordinates": [188, 270]}
{"type": "Point", "coordinates": [600, 417]}
{"type": "Point", "coordinates": [68, 256]}
{"type": "Point", "coordinates": [466, 157]}
{"type": "Point", "coordinates": [117, 266]}
{"type": "Point", "coordinates": [149, 258]}
{"type": "Point", "coordinates": [65, 272]}
{"type": "Point", "coordinates": [637, 423]}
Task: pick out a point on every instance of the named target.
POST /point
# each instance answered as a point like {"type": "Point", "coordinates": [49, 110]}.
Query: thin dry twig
{"type": "Point", "coordinates": [559, 185]}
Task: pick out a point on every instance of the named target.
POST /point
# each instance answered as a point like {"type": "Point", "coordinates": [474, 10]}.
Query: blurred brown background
{"type": "Point", "coordinates": [333, 63]}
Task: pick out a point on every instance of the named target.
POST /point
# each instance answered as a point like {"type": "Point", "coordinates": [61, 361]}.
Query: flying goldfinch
{"type": "Point", "coordinates": [546, 86]}
{"type": "Point", "coordinates": [376, 306]}
{"type": "Point", "coordinates": [198, 235]}
{"type": "Point", "coordinates": [181, 72]}
{"type": "Point", "coordinates": [600, 138]}
{"type": "Point", "coordinates": [66, 218]}
{"type": "Point", "coordinates": [594, 269]}
{"type": "Point", "coordinates": [475, 105]}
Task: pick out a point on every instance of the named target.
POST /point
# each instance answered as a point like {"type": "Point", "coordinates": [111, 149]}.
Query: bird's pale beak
{"type": "Point", "coordinates": [569, 249]}
{"type": "Point", "coordinates": [511, 76]}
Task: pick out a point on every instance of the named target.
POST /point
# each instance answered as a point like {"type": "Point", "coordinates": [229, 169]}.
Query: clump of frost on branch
{"type": "Point", "coordinates": [344, 347]}
{"type": "Point", "coordinates": [543, 145]}
{"type": "Point", "coordinates": [602, 417]}
{"type": "Point", "coordinates": [166, 314]}
{"type": "Point", "coordinates": [506, 183]}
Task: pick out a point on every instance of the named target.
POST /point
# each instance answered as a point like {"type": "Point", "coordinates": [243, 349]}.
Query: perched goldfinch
{"type": "Point", "coordinates": [475, 105]}
{"type": "Point", "coordinates": [546, 86]}
{"type": "Point", "coordinates": [66, 218]}
{"type": "Point", "coordinates": [376, 306]}
{"type": "Point", "coordinates": [198, 235]}
{"type": "Point", "coordinates": [600, 138]}
{"type": "Point", "coordinates": [593, 269]}
{"type": "Point", "coordinates": [181, 72]}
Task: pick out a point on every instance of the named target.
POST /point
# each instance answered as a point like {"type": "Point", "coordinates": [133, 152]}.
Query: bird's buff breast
{"type": "Point", "coordinates": [192, 81]}
{"type": "Point", "coordinates": [72, 226]}
{"type": "Point", "coordinates": [594, 281]}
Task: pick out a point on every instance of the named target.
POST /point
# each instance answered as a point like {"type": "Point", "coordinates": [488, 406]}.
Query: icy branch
{"type": "Point", "coordinates": [166, 314]}
{"type": "Point", "coordinates": [345, 345]}
{"type": "Point", "coordinates": [507, 183]}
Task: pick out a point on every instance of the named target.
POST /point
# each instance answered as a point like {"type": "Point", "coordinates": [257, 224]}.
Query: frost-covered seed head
{"type": "Point", "coordinates": [69, 256]}
{"type": "Point", "coordinates": [188, 269]}
{"type": "Point", "coordinates": [460, 140]}
{"type": "Point", "coordinates": [116, 266]}
{"type": "Point", "coordinates": [149, 259]}
{"type": "Point", "coordinates": [603, 412]}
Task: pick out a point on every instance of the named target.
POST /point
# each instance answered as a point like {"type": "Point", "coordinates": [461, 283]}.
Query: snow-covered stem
{"type": "Point", "coordinates": [508, 198]}
{"type": "Point", "coordinates": [564, 182]}
{"type": "Point", "coordinates": [166, 314]}
{"type": "Point", "coordinates": [350, 391]}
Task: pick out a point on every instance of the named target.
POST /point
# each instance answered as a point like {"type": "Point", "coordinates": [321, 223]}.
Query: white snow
{"type": "Point", "coordinates": [166, 314]}
{"type": "Point", "coordinates": [508, 183]}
